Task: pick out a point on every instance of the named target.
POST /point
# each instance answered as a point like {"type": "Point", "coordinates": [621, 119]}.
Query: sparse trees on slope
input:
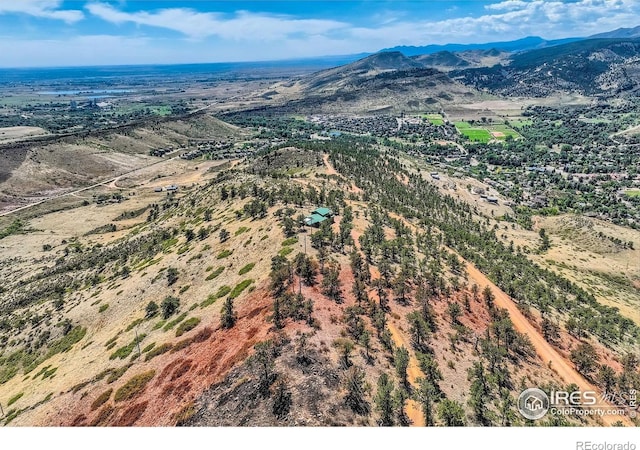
{"type": "Point", "coordinates": [384, 400]}
{"type": "Point", "coordinates": [172, 275]}
{"type": "Point", "coordinates": [279, 281]}
{"type": "Point", "coordinates": [475, 291]}
{"type": "Point", "coordinates": [584, 356]}
{"type": "Point", "coordinates": [383, 298]}
{"type": "Point", "coordinates": [454, 311]}
{"type": "Point", "coordinates": [264, 362]}
{"type": "Point", "coordinates": [607, 378]}
{"type": "Point", "coordinates": [306, 268]}
{"type": "Point", "coordinates": [151, 310]}
{"type": "Point", "coordinates": [357, 388]}
{"type": "Point", "coordinates": [228, 318]}
{"type": "Point", "coordinates": [400, 397]}
{"type": "Point", "coordinates": [401, 361]}
{"type": "Point", "coordinates": [480, 393]}
{"type": "Point", "coordinates": [255, 209]}
{"type": "Point", "coordinates": [386, 272]}
{"type": "Point", "coordinates": [451, 413]}
{"type": "Point", "coordinates": [488, 296]}
{"type": "Point", "coordinates": [277, 313]}
{"type": "Point", "coordinates": [331, 281]}
{"type": "Point", "coordinates": [359, 291]}
{"type": "Point", "coordinates": [505, 408]}
{"type": "Point", "coordinates": [345, 346]}
{"type": "Point", "coordinates": [426, 395]}
{"type": "Point", "coordinates": [401, 287]}
{"type": "Point", "coordinates": [203, 233]}
{"type": "Point", "coordinates": [429, 366]}
{"type": "Point", "coordinates": [418, 329]}
{"type": "Point", "coordinates": [288, 226]}
{"type": "Point", "coordinates": [169, 306]}
{"type": "Point", "coordinates": [550, 330]}
{"type": "Point", "coordinates": [365, 341]}
{"type": "Point", "coordinates": [281, 399]}
{"type": "Point", "coordinates": [303, 351]}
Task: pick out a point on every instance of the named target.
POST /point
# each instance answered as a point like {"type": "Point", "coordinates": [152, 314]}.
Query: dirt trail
{"type": "Point", "coordinates": [332, 171]}
{"type": "Point", "coordinates": [86, 188]}
{"type": "Point", "coordinates": [413, 373]}
{"type": "Point", "coordinates": [544, 350]}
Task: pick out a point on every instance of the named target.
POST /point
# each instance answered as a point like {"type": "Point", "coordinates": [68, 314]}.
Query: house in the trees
{"type": "Point", "coordinates": [318, 216]}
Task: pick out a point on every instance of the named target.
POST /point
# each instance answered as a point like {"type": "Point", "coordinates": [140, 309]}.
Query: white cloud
{"type": "Point", "coordinates": [46, 9]}
{"type": "Point", "coordinates": [508, 5]}
{"type": "Point", "coordinates": [243, 25]}
{"type": "Point", "coordinates": [245, 36]}
{"type": "Point", "coordinates": [510, 19]}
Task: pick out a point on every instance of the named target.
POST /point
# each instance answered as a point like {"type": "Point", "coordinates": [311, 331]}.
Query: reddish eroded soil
{"type": "Point", "coordinates": [329, 167]}
{"type": "Point", "coordinates": [181, 376]}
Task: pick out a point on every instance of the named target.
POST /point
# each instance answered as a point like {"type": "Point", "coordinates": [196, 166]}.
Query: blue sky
{"type": "Point", "coordinates": [101, 32]}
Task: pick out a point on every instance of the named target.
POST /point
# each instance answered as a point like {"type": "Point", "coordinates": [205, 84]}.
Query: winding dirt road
{"type": "Point", "coordinates": [413, 373]}
{"type": "Point", "coordinates": [110, 181]}
{"type": "Point", "coordinates": [550, 356]}
{"type": "Point", "coordinates": [545, 351]}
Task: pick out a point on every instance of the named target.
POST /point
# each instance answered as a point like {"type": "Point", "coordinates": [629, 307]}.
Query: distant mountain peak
{"type": "Point", "coordinates": [526, 43]}
{"type": "Point", "coordinates": [620, 33]}
{"type": "Point", "coordinates": [385, 60]}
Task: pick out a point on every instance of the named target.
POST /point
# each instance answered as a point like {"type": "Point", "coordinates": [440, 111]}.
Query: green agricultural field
{"type": "Point", "coordinates": [505, 130]}
{"type": "Point", "coordinates": [472, 133]}
{"type": "Point", "coordinates": [434, 119]}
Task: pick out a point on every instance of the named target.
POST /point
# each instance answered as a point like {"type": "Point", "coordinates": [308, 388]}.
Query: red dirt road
{"type": "Point", "coordinates": [330, 169]}
{"type": "Point", "coordinates": [413, 372]}
{"type": "Point", "coordinates": [545, 351]}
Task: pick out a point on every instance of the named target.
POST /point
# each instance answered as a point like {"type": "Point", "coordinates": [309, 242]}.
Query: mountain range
{"type": "Point", "coordinates": [518, 45]}
{"type": "Point", "coordinates": [603, 65]}
{"type": "Point", "coordinates": [527, 43]}
{"type": "Point", "coordinates": [590, 67]}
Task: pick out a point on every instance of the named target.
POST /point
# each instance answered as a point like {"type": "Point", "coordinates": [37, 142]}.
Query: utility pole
{"type": "Point", "coordinates": [138, 343]}
{"type": "Point", "coordinates": [291, 280]}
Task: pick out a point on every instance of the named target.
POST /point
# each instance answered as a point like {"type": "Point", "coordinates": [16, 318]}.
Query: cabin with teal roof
{"type": "Point", "coordinates": [318, 216]}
